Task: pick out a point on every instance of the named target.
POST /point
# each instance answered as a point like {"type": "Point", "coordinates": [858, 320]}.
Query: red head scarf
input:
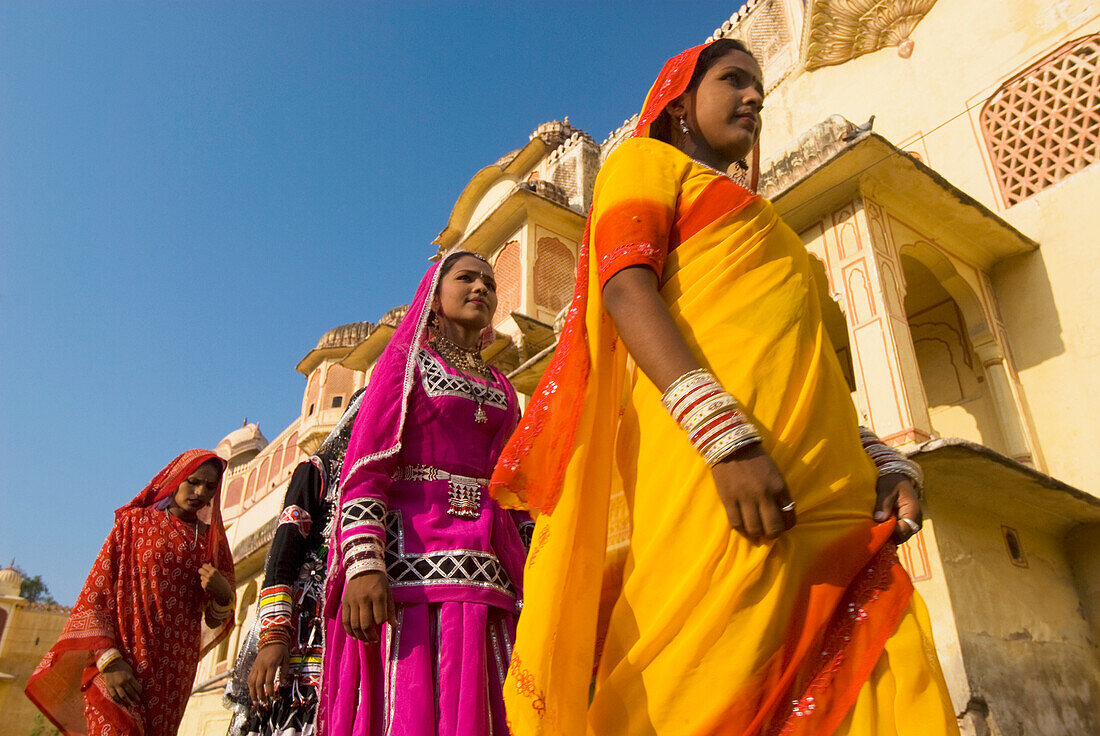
{"type": "Point", "coordinates": [165, 483]}
{"type": "Point", "coordinates": [671, 83]}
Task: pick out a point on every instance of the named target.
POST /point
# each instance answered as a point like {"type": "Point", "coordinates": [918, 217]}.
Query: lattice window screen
{"type": "Point", "coordinates": [1044, 124]}
{"type": "Point", "coordinates": [555, 273]}
{"type": "Point", "coordinates": [509, 274]}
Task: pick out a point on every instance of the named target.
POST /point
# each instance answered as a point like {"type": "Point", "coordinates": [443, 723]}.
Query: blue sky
{"type": "Point", "coordinates": [192, 193]}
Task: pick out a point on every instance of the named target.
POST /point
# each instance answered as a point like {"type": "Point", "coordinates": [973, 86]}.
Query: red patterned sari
{"type": "Point", "coordinates": [143, 597]}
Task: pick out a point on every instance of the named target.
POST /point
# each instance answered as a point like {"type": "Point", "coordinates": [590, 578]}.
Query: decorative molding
{"type": "Point", "coordinates": [840, 30]}
{"type": "Point", "coordinates": [810, 150]}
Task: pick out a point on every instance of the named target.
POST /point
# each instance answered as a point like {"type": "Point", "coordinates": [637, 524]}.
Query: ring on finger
{"type": "Point", "coordinates": [788, 508]}
{"type": "Point", "coordinates": [913, 526]}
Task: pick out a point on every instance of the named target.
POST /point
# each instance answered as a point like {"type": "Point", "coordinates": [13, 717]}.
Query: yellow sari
{"type": "Point", "coordinates": [644, 613]}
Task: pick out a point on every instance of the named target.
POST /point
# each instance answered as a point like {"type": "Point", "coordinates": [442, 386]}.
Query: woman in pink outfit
{"type": "Point", "coordinates": [424, 568]}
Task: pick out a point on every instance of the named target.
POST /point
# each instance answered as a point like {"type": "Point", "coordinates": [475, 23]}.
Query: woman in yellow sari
{"type": "Point", "coordinates": [695, 408]}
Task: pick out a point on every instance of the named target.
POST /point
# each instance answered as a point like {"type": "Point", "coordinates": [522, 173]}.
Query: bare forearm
{"type": "Point", "coordinates": [646, 327]}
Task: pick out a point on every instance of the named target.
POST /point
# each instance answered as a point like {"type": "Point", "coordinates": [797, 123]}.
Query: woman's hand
{"type": "Point", "coordinates": [754, 494]}
{"type": "Point", "coordinates": [121, 684]}
{"type": "Point", "coordinates": [271, 665]}
{"type": "Point", "coordinates": [214, 583]}
{"type": "Point", "coordinates": [367, 604]}
{"type": "Point", "coordinates": [897, 496]}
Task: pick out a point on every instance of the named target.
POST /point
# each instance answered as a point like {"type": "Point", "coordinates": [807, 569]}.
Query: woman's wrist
{"type": "Point", "coordinates": [710, 416]}
{"type": "Point", "coordinates": [107, 658]}
{"type": "Point", "coordinates": [274, 635]}
{"type": "Point", "coordinates": [888, 460]}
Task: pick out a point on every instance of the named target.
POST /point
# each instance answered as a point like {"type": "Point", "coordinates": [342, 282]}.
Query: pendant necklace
{"type": "Point", "coordinates": [464, 360]}
{"type": "Point", "coordinates": [193, 527]}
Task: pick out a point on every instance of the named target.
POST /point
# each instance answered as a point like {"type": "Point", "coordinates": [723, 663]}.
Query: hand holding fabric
{"type": "Point", "coordinates": [754, 494]}
{"type": "Point", "coordinates": [214, 583]}
{"type": "Point", "coordinates": [897, 496]}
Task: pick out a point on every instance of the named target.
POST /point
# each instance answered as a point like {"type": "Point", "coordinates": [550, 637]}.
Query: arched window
{"type": "Point", "coordinates": [261, 482]}
{"type": "Point", "coordinates": [233, 492]}
{"type": "Point", "coordinates": [250, 488]}
{"type": "Point", "coordinates": [291, 451]}
{"type": "Point", "coordinates": [339, 384]}
{"type": "Point", "coordinates": [1044, 124]}
{"type": "Point", "coordinates": [509, 274]}
{"type": "Point", "coordinates": [276, 465]}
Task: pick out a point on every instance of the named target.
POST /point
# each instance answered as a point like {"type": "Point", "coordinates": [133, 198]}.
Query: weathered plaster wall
{"type": "Point", "coordinates": [1026, 646]}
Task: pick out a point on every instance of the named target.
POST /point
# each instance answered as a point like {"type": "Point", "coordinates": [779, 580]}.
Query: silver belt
{"type": "Point", "coordinates": [463, 493]}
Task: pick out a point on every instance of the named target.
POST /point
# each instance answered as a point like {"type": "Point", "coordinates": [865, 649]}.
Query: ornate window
{"type": "Point", "coordinates": [555, 274]}
{"type": "Point", "coordinates": [509, 273]}
{"type": "Point", "coordinates": [1044, 124]}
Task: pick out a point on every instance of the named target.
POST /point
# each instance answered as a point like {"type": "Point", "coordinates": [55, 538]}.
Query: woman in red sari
{"type": "Point", "coordinates": [159, 595]}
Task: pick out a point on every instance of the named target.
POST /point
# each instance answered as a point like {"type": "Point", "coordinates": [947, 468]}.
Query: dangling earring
{"type": "Point", "coordinates": [684, 126]}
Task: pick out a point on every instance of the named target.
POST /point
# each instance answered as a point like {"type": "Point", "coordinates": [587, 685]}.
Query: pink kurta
{"type": "Point", "coordinates": [456, 580]}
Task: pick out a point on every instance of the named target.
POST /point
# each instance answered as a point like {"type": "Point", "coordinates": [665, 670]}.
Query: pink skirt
{"type": "Point", "coordinates": [439, 672]}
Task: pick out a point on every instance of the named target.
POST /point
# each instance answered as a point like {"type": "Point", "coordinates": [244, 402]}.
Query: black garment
{"type": "Point", "coordinates": [297, 558]}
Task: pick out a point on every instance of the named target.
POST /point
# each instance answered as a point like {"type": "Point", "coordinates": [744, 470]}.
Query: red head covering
{"type": "Point", "coordinates": [671, 83]}
{"type": "Point", "coordinates": [165, 483]}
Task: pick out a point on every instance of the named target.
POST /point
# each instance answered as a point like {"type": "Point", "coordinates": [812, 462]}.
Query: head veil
{"type": "Point", "coordinates": [378, 427]}
{"type": "Point", "coordinates": [165, 483]}
{"type": "Point", "coordinates": [532, 467]}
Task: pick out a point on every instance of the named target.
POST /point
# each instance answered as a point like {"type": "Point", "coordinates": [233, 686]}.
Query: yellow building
{"type": "Point", "coordinates": [955, 230]}
{"type": "Point", "coordinates": [27, 631]}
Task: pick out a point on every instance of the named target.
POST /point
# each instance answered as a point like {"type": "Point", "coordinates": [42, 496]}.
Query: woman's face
{"type": "Point", "coordinates": [198, 489]}
{"type": "Point", "coordinates": [723, 111]}
{"type": "Point", "coordinates": [468, 293]}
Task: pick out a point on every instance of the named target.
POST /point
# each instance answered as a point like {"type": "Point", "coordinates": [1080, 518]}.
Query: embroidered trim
{"type": "Point", "coordinates": [631, 253]}
{"type": "Point", "coordinates": [438, 382]}
{"type": "Point", "coordinates": [463, 491]}
{"type": "Point", "coordinates": [276, 606]}
{"type": "Point", "coordinates": [446, 567]}
{"type": "Point", "coordinates": [363, 511]}
{"type": "Point", "coordinates": [850, 613]}
{"type": "Point", "coordinates": [297, 516]}
{"type": "Point", "coordinates": [526, 533]}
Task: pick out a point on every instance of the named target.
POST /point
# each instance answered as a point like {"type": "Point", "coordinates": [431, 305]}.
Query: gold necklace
{"type": "Point", "coordinates": [464, 360]}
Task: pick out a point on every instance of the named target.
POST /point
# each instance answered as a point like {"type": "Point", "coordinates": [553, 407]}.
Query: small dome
{"type": "Point", "coordinates": [248, 437]}
{"type": "Point", "coordinates": [10, 582]}
{"type": "Point", "coordinates": [393, 317]}
{"type": "Point", "coordinates": [345, 336]}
